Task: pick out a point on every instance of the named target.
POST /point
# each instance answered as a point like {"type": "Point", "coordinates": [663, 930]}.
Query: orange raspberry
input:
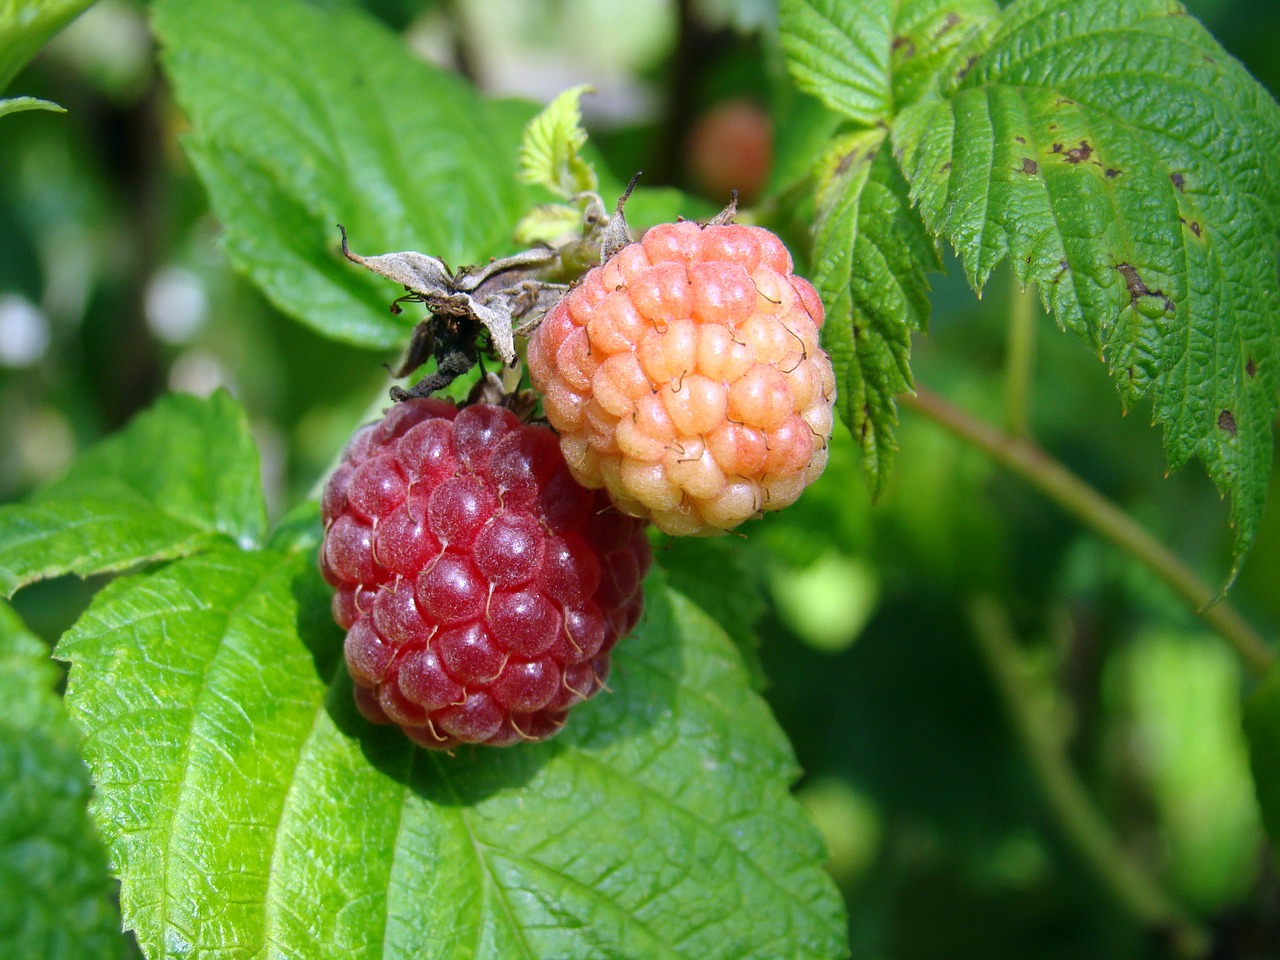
{"type": "Point", "coordinates": [684, 377]}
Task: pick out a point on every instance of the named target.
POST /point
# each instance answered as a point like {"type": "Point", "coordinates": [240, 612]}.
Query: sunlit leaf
{"type": "Point", "coordinates": [868, 59]}
{"type": "Point", "coordinates": [181, 476]}
{"type": "Point", "coordinates": [1126, 165]}
{"type": "Point", "coordinates": [549, 149]}
{"type": "Point", "coordinates": [659, 824]}
{"type": "Point", "coordinates": [306, 117]}
{"type": "Point", "coordinates": [871, 254]}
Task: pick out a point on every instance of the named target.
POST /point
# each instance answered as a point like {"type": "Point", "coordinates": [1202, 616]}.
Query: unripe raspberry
{"type": "Point", "coordinates": [684, 377]}
{"type": "Point", "coordinates": [481, 587]}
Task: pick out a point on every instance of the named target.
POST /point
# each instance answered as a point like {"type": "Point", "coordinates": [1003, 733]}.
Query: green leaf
{"type": "Point", "coordinates": [27, 25]}
{"type": "Point", "coordinates": [56, 894]}
{"type": "Point", "coordinates": [549, 148]}
{"type": "Point", "coordinates": [1180, 695]}
{"type": "Point", "coordinates": [181, 476]}
{"type": "Point", "coordinates": [1262, 728]}
{"type": "Point", "coordinates": [261, 810]}
{"type": "Point", "coordinates": [306, 117]}
{"type": "Point", "coordinates": [19, 104]}
{"type": "Point", "coordinates": [930, 34]}
{"type": "Point", "coordinates": [714, 573]}
{"type": "Point", "coordinates": [870, 259]}
{"type": "Point", "coordinates": [1125, 164]}
{"type": "Point", "coordinates": [868, 59]}
{"type": "Point", "coordinates": [839, 52]}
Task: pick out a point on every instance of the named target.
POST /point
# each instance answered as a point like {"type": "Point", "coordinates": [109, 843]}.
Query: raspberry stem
{"type": "Point", "coordinates": [1077, 815]}
{"type": "Point", "coordinates": [1095, 511]}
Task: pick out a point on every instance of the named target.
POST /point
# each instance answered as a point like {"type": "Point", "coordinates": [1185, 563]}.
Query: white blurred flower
{"type": "Point", "coordinates": [198, 372]}
{"type": "Point", "coordinates": [176, 304]}
{"type": "Point", "coordinates": [24, 331]}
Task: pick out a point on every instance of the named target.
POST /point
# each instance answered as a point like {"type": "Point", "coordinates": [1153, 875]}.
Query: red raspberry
{"type": "Point", "coordinates": [684, 377]}
{"type": "Point", "coordinates": [481, 588]}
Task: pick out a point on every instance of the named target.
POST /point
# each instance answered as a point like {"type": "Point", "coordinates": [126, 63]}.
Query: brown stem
{"type": "Point", "coordinates": [1071, 493]}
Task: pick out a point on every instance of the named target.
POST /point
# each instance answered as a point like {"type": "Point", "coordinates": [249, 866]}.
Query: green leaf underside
{"type": "Point", "coordinates": [27, 25]}
{"type": "Point", "coordinates": [304, 118]}
{"type": "Point", "coordinates": [871, 256]}
{"type": "Point", "coordinates": [1262, 728]}
{"type": "Point", "coordinates": [56, 896]}
{"type": "Point", "coordinates": [657, 825]}
{"type": "Point", "coordinates": [1122, 162]}
{"type": "Point", "coordinates": [181, 476]}
{"type": "Point", "coordinates": [867, 59]}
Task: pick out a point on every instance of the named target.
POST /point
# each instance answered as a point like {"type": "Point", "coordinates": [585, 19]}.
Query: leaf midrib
{"type": "Point", "coordinates": [270, 899]}
{"type": "Point", "coordinates": [169, 850]}
{"type": "Point", "coordinates": [491, 881]}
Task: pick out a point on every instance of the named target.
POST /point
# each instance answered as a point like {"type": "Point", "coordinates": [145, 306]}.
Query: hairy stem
{"type": "Point", "coordinates": [1020, 359]}
{"type": "Point", "coordinates": [1101, 515]}
{"type": "Point", "coordinates": [1073, 809]}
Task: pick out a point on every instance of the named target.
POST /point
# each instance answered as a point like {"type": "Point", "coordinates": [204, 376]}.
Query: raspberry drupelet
{"type": "Point", "coordinates": [684, 377]}
{"type": "Point", "coordinates": [481, 587]}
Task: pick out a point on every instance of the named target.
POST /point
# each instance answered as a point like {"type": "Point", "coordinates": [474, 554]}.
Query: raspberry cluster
{"type": "Point", "coordinates": [480, 586]}
{"type": "Point", "coordinates": [684, 377]}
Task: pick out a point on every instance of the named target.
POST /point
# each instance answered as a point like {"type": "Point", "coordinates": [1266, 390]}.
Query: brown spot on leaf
{"type": "Point", "coordinates": [1250, 367]}
{"type": "Point", "coordinates": [1063, 267]}
{"type": "Point", "coordinates": [906, 45]}
{"type": "Point", "coordinates": [1112, 173]}
{"type": "Point", "coordinates": [1053, 126]}
{"type": "Point", "coordinates": [1081, 153]}
{"type": "Point", "coordinates": [846, 162]}
{"type": "Point", "coordinates": [950, 23]}
{"type": "Point", "coordinates": [1138, 287]}
{"type": "Point", "coordinates": [1195, 228]}
{"type": "Point", "coordinates": [945, 167]}
{"type": "Point", "coordinates": [967, 67]}
{"type": "Point", "coordinates": [1021, 139]}
{"type": "Point", "coordinates": [1064, 102]}
{"type": "Point", "coordinates": [1177, 179]}
{"type": "Point", "coordinates": [1227, 422]}
{"type": "Point", "coordinates": [1030, 167]}
{"type": "Point", "coordinates": [1057, 148]}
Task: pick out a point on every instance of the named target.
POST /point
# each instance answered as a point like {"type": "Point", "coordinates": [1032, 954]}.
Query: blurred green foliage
{"type": "Point", "coordinates": [113, 289]}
